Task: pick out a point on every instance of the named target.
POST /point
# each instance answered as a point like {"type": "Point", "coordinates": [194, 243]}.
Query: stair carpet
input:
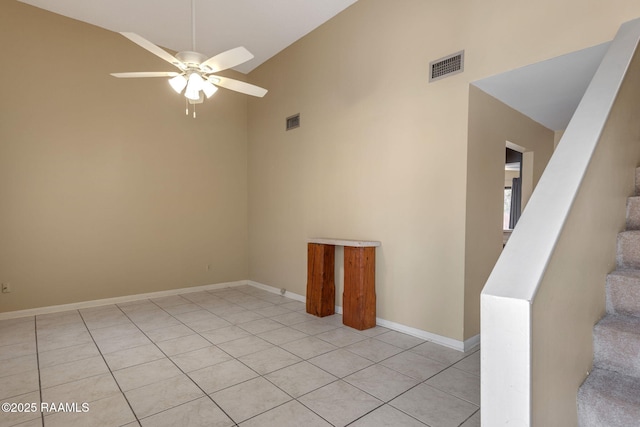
{"type": "Point", "coordinates": [610, 396]}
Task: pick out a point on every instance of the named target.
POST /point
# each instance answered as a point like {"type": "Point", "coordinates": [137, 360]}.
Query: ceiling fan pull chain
{"type": "Point", "coordinates": [186, 107]}
{"type": "Point", "coordinates": [194, 111]}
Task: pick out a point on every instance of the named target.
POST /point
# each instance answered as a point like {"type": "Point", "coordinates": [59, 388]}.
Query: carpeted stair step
{"type": "Point", "coordinates": [609, 399]}
{"type": "Point", "coordinates": [616, 344]}
{"type": "Point", "coordinates": [633, 213]}
{"type": "Point", "coordinates": [623, 292]}
{"type": "Point", "coordinates": [628, 254]}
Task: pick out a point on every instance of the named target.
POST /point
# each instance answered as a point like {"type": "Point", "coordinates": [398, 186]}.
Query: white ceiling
{"type": "Point", "coordinates": [264, 27]}
{"type": "Point", "coordinates": [548, 91]}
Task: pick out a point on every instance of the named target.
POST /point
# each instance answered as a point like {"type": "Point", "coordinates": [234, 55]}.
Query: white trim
{"type": "Point", "coordinates": [419, 333]}
{"type": "Point", "coordinates": [115, 300]}
{"type": "Point", "coordinates": [274, 290]}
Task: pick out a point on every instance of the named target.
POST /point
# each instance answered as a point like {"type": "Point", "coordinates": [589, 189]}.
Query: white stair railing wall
{"type": "Point", "coordinates": [546, 291]}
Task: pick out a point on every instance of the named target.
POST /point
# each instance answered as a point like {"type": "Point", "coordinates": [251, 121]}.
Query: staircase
{"type": "Point", "coordinates": [610, 396]}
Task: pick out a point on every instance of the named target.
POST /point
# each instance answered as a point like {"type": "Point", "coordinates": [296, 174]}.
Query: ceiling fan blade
{"type": "Point", "coordinates": [225, 60]}
{"type": "Point", "coordinates": [146, 44]}
{"type": "Point", "coordinates": [145, 74]}
{"type": "Point", "coordinates": [239, 86]}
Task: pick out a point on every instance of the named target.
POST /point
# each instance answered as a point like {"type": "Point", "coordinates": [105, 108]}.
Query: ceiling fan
{"type": "Point", "coordinates": [196, 72]}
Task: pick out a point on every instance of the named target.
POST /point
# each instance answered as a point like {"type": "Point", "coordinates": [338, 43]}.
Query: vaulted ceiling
{"type": "Point", "coordinates": [264, 27]}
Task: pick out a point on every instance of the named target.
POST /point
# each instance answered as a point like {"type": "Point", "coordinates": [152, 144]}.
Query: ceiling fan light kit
{"type": "Point", "coordinates": [195, 76]}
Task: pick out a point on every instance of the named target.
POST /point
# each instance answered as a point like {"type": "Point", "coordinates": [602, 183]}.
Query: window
{"type": "Point", "coordinates": [507, 208]}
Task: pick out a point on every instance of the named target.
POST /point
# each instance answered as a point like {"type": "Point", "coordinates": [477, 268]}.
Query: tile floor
{"type": "Point", "coordinates": [236, 356]}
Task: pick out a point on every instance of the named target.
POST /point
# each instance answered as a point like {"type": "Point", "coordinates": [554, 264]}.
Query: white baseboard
{"type": "Point", "coordinates": [418, 333]}
{"type": "Point", "coordinates": [274, 290]}
{"type": "Point", "coordinates": [115, 300]}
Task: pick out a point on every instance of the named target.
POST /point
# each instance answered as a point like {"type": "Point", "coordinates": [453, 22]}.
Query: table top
{"type": "Point", "coordinates": [345, 242]}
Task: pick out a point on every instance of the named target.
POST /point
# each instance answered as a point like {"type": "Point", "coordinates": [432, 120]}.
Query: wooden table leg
{"type": "Point", "coordinates": [359, 297]}
{"type": "Point", "coordinates": [321, 289]}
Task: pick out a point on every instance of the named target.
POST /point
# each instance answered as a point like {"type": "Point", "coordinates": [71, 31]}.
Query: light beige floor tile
{"type": "Point", "coordinates": [473, 421]}
{"type": "Point", "coordinates": [133, 356]}
{"type": "Point", "coordinates": [123, 342]}
{"type": "Point", "coordinates": [373, 349]}
{"type": "Point", "coordinates": [386, 416]}
{"type": "Point", "coordinates": [208, 324]}
{"type": "Point", "coordinates": [159, 323]}
{"type": "Point", "coordinates": [271, 311]}
{"type": "Point", "coordinates": [259, 326]}
{"type": "Point", "coordinates": [169, 333]}
{"type": "Point", "coordinates": [226, 334]}
{"type": "Point", "coordinates": [160, 396]}
{"type": "Point", "coordinates": [300, 379]}
{"type": "Point", "coordinates": [16, 350]}
{"type": "Point", "coordinates": [458, 383]}
{"type": "Point", "coordinates": [84, 390]}
{"type": "Point", "coordinates": [241, 317]}
{"type": "Point", "coordinates": [72, 371]}
{"type": "Point", "coordinates": [201, 358]}
{"type": "Point", "coordinates": [291, 414]}
{"type": "Point", "coordinates": [53, 342]}
{"type": "Point", "coordinates": [183, 308]}
{"type": "Point", "coordinates": [399, 339]}
{"type": "Point", "coordinates": [434, 407]}
{"type": "Point", "coordinates": [67, 354]}
{"type": "Point", "coordinates": [18, 417]}
{"type": "Point", "coordinates": [169, 301]}
{"type": "Point", "coordinates": [282, 335]}
{"type": "Point", "coordinates": [340, 362]}
{"type": "Point", "coordinates": [18, 365]}
{"type": "Point", "coordinates": [293, 318]}
{"type": "Point", "coordinates": [314, 327]}
{"type": "Point", "coordinates": [372, 332]}
{"type": "Point", "coordinates": [269, 360]}
{"type": "Point", "coordinates": [249, 399]}
{"type": "Point", "coordinates": [439, 353]}
{"type": "Point", "coordinates": [414, 365]}
{"type": "Point", "coordinates": [197, 413]}
{"type": "Point", "coordinates": [19, 333]}
{"type": "Point", "coordinates": [470, 364]}
{"type": "Point", "coordinates": [145, 374]}
{"type": "Point", "coordinates": [195, 316]}
{"type": "Point", "coordinates": [183, 344]}
{"type": "Point", "coordinates": [114, 331]}
{"type": "Point", "coordinates": [382, 383]}
{"type": "Point", "coordinates": [341, 337]}
{"type": "Point", "coordinates": [36, 422]}
{"type": "Point", "coordinates": [112, 411]}
{"type": "Point", "coordinates": [222, 375]}
{"type": "Point", "coordinates": [104, 318]}
{"type": "Point", "coordinates": [294, 306]}
{"type": "Point", "coordinates": [340, 403]}
{"type": "Point", "coordinates": [308, 347]}
{"type": "Point", "coordinates": [244, 346]}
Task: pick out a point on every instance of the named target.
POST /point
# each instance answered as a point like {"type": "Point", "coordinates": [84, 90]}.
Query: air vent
{"type": "Point", "coordinates": [293, 121]}
{"type": "Point", "coordinates": [447, 66]}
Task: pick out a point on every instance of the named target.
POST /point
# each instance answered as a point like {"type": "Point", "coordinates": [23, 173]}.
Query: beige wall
{"type": "Point", "coordinates": [377, 140]}
{"type": "Point", "coordinates": [491, 125]}
{"type": "Point", "coordinates": [106, 188]}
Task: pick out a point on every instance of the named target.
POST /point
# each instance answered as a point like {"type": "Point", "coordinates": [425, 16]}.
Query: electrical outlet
{"type": "Point", "coordinates": [6, 288]}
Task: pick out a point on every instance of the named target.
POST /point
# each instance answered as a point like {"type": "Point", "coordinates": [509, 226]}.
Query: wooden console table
{"type": "Point", "coordinates": [359, 297]}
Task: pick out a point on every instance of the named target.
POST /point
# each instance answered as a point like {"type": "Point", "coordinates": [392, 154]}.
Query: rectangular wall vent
{"type": "Point", "coordinates": [447, 66]}
{"type": "Point", "coordinates": [293, 121]}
